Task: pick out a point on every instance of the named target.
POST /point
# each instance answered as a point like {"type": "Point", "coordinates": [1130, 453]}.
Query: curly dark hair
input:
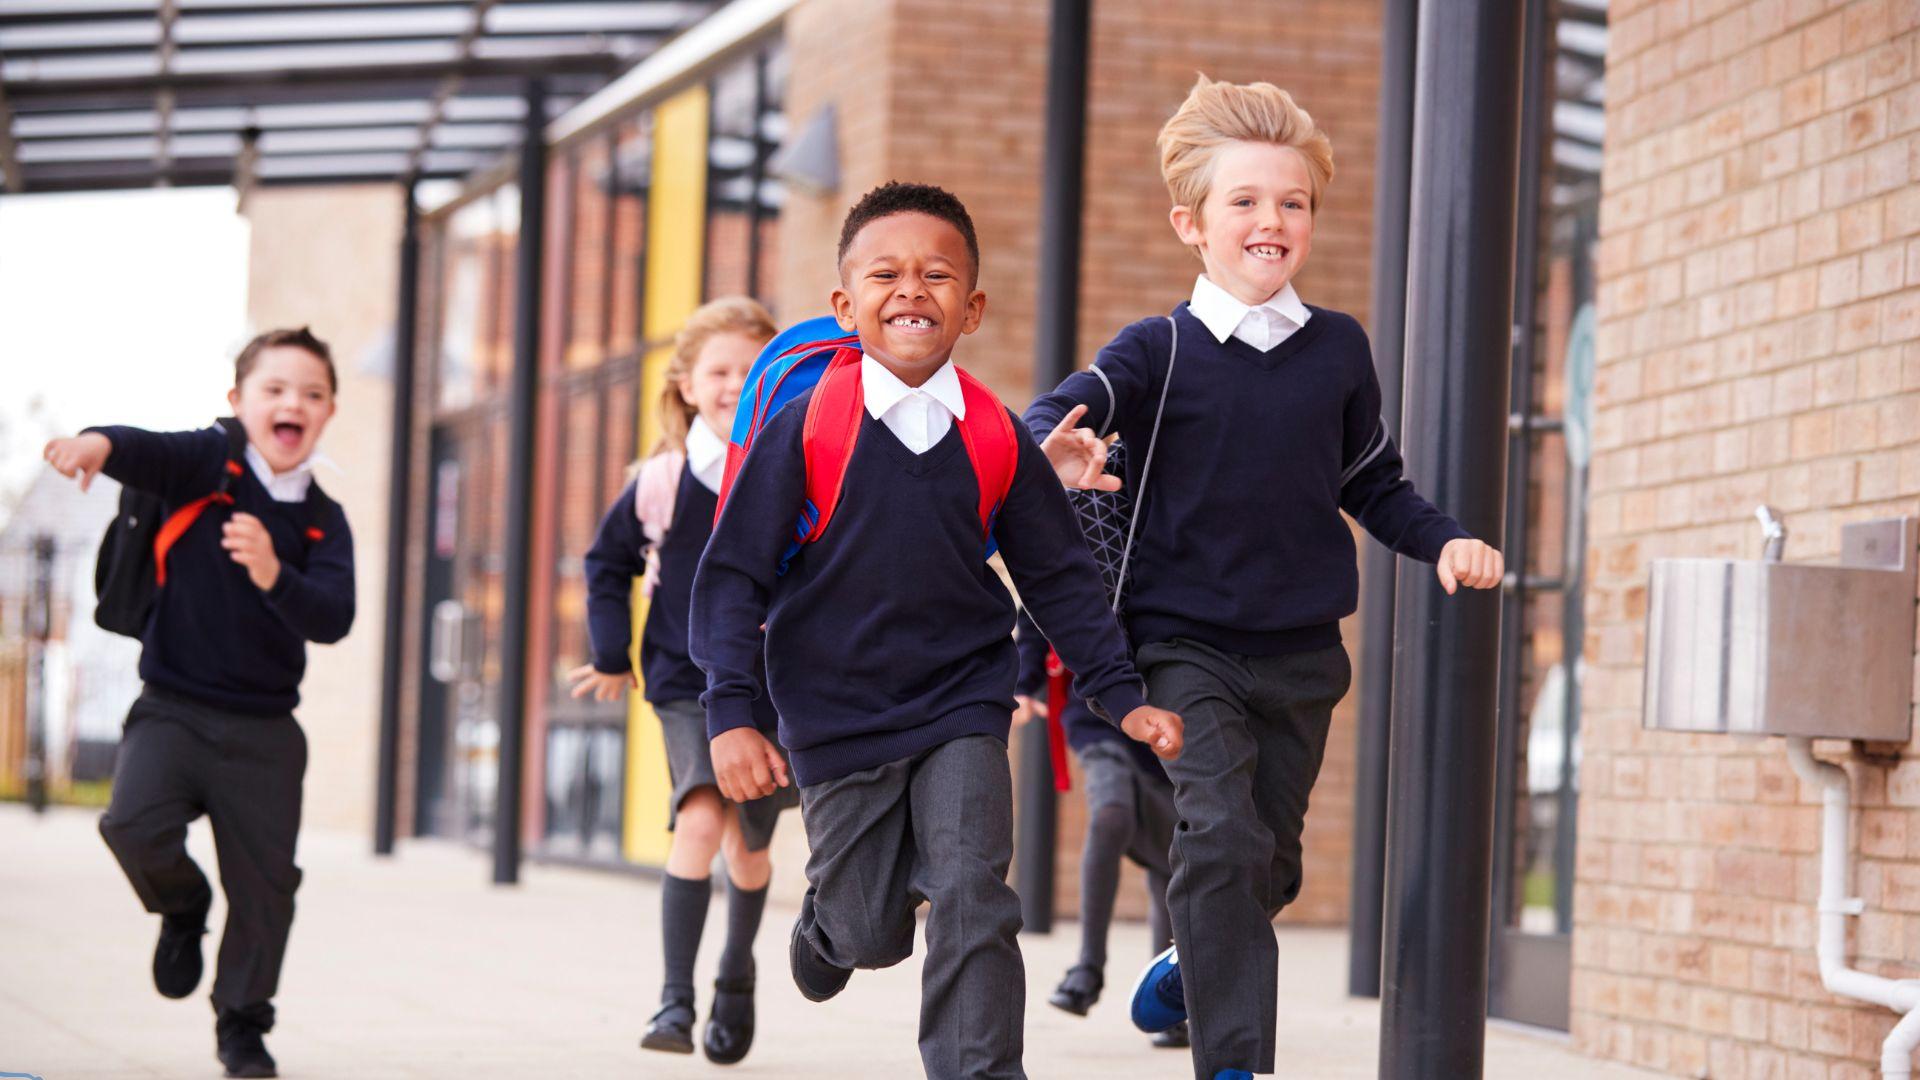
{"type": "Point", "coordinates": [900, 197]}
{"type": "Point", "coordinates": [302, 338]}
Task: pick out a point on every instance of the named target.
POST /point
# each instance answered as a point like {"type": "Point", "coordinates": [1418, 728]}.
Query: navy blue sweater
{"type": "Point", "coordinates": [891, 633]}
{"type": "Point", "coordinates": [1241, 545]}
{"type": "Point", "coordinates": [1082, 727]}
{"type": "Point", "coordinates": [617, 557]}
{"type": "Point", "coordinates": [214, 635]}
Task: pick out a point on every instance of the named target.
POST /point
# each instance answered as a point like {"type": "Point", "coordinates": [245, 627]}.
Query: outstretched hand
{"type": "Point", "coordinates": [587, 679]}
{"type": "Point", "coordinates": [82, 456]}
{"type": "Point", "coordinates": [1077, 455]}
{"type": "Point", "coordinates": [1163, 732]}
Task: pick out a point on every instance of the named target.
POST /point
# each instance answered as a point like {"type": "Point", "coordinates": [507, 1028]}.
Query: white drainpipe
{"type": "Point", "coordinates": [1900, 995]}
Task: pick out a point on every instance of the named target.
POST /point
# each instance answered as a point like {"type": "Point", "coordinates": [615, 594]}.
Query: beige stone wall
{"type": "Point", "coordinates": [955, 95]}
{"type": "Point", "coordinates": [328, 257]}
{"type": "Point", "coordinates": [1759, 342]}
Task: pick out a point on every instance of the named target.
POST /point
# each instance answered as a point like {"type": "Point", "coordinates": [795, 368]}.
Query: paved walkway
{"type": "Point", "coordinates": [416, 967]}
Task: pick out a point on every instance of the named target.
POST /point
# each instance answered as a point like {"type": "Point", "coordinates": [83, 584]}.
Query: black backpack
{"type": "Point", "coordinates": [132, 564]}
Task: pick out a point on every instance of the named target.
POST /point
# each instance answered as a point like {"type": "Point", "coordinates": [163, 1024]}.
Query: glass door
{"type": "Point", "coordinates": [1542, 626]}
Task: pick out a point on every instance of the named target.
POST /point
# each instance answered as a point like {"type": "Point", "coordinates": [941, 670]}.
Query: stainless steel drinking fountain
{"type": "Point", "coordinates": [1752, 647]}
{"type": "Point", "coordinates": [1807, 652]}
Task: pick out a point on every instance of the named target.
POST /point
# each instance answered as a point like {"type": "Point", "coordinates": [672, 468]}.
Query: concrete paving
{"type": "Point", "coordinates": [416, 967]}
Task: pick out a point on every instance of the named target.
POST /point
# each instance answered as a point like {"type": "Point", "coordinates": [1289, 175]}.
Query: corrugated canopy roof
{"type": "Point", "coordinates": [131, 93]}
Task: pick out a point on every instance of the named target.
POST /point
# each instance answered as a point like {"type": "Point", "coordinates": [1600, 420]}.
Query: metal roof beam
{"type": "Point", "coordinates": [9, 162]}
{"type": "Point", "coordinates": [615, 41]}
{"type": "Point", "coordinates": [11, 15]}
{"type": "Point", "coordinates": [324, 83]}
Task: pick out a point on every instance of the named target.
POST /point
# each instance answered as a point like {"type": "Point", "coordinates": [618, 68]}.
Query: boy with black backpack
{"type": "Point", "coordinates": [1260, 420]}
{"type": "Point", "coordinates": [252, 560]}
{"type": "Point", "coordinates": [857, 531]}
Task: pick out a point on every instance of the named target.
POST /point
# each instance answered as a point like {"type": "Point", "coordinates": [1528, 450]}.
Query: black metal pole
{"type": "Point", "coordinates": [39, 630]}
{"type": "Point", "coordinates": [399, 500]}
{"type": "Point", "coordinates": [1392, 173]}
{"type": "Point", "coordinates": [1055, 344]}
{"type": "Point", "coordinates": [522, 411]}
{"type": "Point", "coordinates": [1459, 300]}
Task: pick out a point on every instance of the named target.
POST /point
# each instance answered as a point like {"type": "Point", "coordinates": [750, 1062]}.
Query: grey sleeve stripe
{"type": "Point", "coordinates": [1113, 402]}
{"type": "Point", "coordinates": [1375, 447]}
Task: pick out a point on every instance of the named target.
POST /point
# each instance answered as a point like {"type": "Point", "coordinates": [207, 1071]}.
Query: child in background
{"type": "Point", "coordinates": [658, 526]}
{"type": "Point", "coordinates": [253, 579]}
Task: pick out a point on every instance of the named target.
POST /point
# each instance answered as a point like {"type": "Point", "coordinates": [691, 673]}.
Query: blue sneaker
{"type": "Point", "coordinates": [1233, 1074]}
{"type": "Point", "coordinates": [1159, 997]}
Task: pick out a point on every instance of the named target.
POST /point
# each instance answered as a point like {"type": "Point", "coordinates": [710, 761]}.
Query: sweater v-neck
{"type": "Point", "coordinates": [915, 464]}
{"type": "Point", "coordinates": [1195, 330]}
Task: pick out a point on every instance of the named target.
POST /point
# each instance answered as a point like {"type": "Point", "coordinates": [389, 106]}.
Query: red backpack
{"type": "Point", "coordinates": [826, 361]}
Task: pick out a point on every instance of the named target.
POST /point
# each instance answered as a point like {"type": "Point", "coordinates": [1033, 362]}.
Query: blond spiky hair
{"type": "Point", "coordinates": [1218, 114]}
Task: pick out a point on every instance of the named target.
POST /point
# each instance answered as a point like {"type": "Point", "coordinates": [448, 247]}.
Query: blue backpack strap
{"type": "Point", "coordinates": [787, 367]}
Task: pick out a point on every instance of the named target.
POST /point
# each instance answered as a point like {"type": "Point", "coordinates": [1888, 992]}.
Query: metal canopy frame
{"type": "Point", "coordinates": [99, 94]}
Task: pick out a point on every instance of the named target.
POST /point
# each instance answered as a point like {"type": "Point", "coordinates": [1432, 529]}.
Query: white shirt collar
{"type": "Point", "coordinates": [289, 486]}
{"type": "Point", "coordinates": [1222, 313]}
{"type": "Point", "coordinates": [706, 454]}
{"type": "Point", "coordinates": [883, 389]}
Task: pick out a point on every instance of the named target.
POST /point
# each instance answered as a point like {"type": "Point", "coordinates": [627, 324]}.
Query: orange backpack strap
{"type": "Point", "coordinates": [176, 526]}
{"type": "Point", "coordinates": [177, 523]}
{"type": "Point", "coordinates": [991, 445]}
{"type": "Point", "coordinates": [827, 441]}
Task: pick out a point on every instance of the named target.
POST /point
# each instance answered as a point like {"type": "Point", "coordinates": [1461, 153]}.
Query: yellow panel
{"type": "Point", "coordinates": [676, 242]}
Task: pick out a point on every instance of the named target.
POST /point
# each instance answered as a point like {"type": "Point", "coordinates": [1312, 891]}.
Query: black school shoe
{"type": "Point", "coordinates": [671, 1029]}
{"type": "Point", "coordinates": [817, 979]}
{"type": "Point", "coordinates": [1079, 990]}
{"type": "Point", "coordinates": [729, 1033]}
{"type": "Point", "coordinates": [240, 1048]}
{"type": "Point", "coordinates": [176, 958]}
{"type": "Point", "coordinates": [1174, 1038]}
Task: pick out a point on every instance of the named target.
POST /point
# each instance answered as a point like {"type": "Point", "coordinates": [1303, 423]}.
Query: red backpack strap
{"type": "Point", "coordinates": [991, 445]}
{"type": "Point", "coordinates": [827, 440]}
{"type": "Point", "coordinates": [176, 526]}
{"type": "Point", "coordinates": [1058, 680]}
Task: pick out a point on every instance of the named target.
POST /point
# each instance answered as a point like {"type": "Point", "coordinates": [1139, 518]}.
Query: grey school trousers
{"type": "Point", "coordinates": [934, 828]}
{"type": "Point", "coordinates": [1256, 730]}
{"type": "Point", "coordinates": [179, 759]}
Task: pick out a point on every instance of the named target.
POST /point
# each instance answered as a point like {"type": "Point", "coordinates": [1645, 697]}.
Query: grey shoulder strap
{"type": "Point", "coordinates": [1146, 467]}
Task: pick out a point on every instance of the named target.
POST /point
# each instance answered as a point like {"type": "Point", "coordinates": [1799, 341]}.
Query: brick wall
{"type": "Point", "coordinates": [954, 95]}
{"type": "Point", "coordinates": [329, 257]}
{"type": "Point", "coordinates": [1759, 342]}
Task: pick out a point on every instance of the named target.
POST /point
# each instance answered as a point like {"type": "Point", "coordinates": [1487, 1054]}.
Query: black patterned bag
{"type": "Point", "coordinates": [1108, 519]}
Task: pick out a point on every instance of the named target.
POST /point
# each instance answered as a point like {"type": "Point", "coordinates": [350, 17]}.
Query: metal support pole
{"type": "Point", "coordinates": [522, 411]}
{"type": "Point", "coordinates": [39, 630]}
{"type": "Point", "coordinates": [399, 500]}
{"type": "Point", "coordinates": [1393, 163]}
{"type": "Point", "coordinates": [1055, 343]}
{"type": "Point", "coordinates": [1459, 301]}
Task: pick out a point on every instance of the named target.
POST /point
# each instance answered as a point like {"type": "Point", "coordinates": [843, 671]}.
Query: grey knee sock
{"type": "Point", "coordinates": [744, 909]}
{"type": "Point", "coordinates": [1107, 836]}
{"type": "Point", "coordinates": [683, 915]}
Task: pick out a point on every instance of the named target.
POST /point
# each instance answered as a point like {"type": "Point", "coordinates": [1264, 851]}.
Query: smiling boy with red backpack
{"type": "Point", "coordinates": [857, 530]}
{"type": "Point", "coordinates": [251, 560]}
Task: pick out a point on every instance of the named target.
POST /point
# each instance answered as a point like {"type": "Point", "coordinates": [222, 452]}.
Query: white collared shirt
{"type": "Point", "coordinates": [706, 454]}
{"type": "Point", "coordinates": [918, 416]}
{"type": "Point", "coordinates": [286, 487]}
{"type": "Point", "coordinates": [1263, 325]}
